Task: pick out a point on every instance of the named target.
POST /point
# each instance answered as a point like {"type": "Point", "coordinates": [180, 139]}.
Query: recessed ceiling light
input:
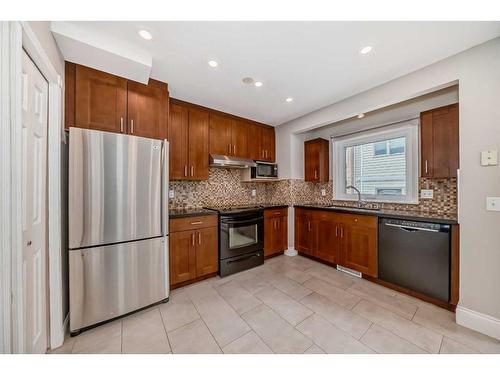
{"type": "Point", "coordinates": [361, 115]}
{"type": "Point", "coordinates": [247, 80]}
{"type": "Point", "coordinates": [213, 63]}
{"type": "Point", "coordinates": [258, 83]}
{"type": "Point", "coordinates": [365, 50]}
{"type": "Point", "coordinates": [289, 100]}
{"type": "Point", "coordinates": [145, 34]}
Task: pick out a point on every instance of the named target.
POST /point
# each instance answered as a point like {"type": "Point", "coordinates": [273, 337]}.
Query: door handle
{"type": "Point", "coordinates": [229, 149]}
{"type": "Point", "coordinates": [132, 126]}
{"type": "Point", "coordinates": [192, 171]}
{"type": "Point", "coordinates": [309, 225]}
{"type": "Point", "coordinates": [341, 232]}
{"type": "Point", "coordinates": [196, 222]}
{"type": "Point", "coordinates": [121, 124]}
{"type": "Point", "coordinates": [192, 239]}
{"type": "Point", "coordinates": [426, 168]}
{"type": "Point", "coordinates": [336, 231]}
{"type": "Point", "coordinates": [234, 149]}
{"type": "Point", "coordinates": [185, 171]}
{"type": "Point", "coordinates": [315, 174]}
{"type": "Point", "coordinates": [199, 238]}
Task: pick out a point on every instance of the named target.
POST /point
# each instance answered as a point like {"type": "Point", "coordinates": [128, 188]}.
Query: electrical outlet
{"type": "Point", "coordinates": [171, 194]}
{"type": "Point", "coordinates": [254, 192]}
{"type": "Point", "coordinates": [323, 192]}
{"type": "Point", "coordinates": [426, 193]}
{"type": "Point", "coordinates": [493, 203]}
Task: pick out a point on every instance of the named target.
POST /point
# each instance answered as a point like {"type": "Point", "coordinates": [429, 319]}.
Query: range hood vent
{"type": "Point", "coordinates": [224, 161]}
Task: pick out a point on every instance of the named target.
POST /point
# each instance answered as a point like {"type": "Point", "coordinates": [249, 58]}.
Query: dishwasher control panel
{"type": "Point", "coordinates": [434, 227]}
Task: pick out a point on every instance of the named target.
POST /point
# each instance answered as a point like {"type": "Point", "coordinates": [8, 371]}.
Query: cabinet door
{"type": "Point", "coordinates": [178, 142]}
{"type": "Point", "coordinates": [239, 137]}
{"type": "Point", "coordinates": [268, 144]}
{"type": "Point", "coordinates": [254, 142]}
{"type": "Point", "coordinates": [207, 257]}
{"type": "Point", "coordinates": [304, 234]}
{"type": "Point", "coordinates": [220, 135]}
{"type": "Point", "coordinates": [359, 248]}
{"type": "Point", "coordinates": [445, 142]}
{"type": "Point", "coordinates": [147, 109]}
{"type": "Point", "coordinates": [328, 237]}
{"type": "Point", "coordinates": [100, 100]}
{"type": "Point", "coordinates": [282, 234]}
{"type": "Point", "coordinates": [269, 235]}
{"type": "Point", "coordinates": [426, 144]}
{"type": "Point", "coordinates": [198, 144]}
{"type": "Point", "coordinates": [311, 161]}
{"type": "Point", "coordinates": [182, 257]}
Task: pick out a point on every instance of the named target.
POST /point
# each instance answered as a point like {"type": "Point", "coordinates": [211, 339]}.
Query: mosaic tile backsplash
{"type": "Point", "coordinates": [224, 187]}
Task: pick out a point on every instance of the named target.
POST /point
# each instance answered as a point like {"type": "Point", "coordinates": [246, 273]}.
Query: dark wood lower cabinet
{"type": "Point", "coordinates": [345, 239]}
{"type": "Point", "coordinates": [193, 254]}
{"type": "Point", "coordinates": [275, 231]}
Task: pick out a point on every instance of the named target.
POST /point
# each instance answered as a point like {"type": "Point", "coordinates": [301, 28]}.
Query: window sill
{"type": "Point", "coordinates": [376, 201]}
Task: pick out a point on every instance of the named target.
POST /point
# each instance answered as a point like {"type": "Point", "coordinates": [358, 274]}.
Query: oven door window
{"type": "Point", "coordinates": [243, 236]}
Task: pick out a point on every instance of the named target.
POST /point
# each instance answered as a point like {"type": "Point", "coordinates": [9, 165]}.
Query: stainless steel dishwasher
{"type": "Point", "coordinates": [415, 255]}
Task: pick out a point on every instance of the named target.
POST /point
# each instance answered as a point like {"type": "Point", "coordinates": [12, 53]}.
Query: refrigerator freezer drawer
{"type": "Point", "coordinates": [109, 281]}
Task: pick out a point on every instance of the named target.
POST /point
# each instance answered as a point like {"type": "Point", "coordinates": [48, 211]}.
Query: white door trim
{"type": "Point", "coordinates": [14, 36]}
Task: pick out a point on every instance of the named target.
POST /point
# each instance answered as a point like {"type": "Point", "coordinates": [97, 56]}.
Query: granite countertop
{"type": "Point", "coordinates": [435, 217]}
{"type": "Point", "coordinates": [187, 212]}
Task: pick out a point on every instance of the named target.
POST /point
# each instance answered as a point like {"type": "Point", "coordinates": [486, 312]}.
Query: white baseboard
{"type": "Point", "coordinates": [477, 321]}
{"type": "Point", "coordinates": [291, 252]}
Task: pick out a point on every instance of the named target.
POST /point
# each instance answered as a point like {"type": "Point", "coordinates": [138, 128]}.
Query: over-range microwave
{"type": "Point", "coordinates": [264, 170]}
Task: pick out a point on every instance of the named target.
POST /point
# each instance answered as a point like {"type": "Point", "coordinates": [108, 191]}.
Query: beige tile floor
{"type": "Point", "coordinates": [288, 305]}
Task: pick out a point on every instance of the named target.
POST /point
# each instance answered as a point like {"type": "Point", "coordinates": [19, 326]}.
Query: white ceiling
{"type": "Point", "coordinates": [316, 63]}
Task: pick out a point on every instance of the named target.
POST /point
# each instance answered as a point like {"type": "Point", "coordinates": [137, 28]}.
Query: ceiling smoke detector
{"type": "Point", "coordinates": [247, 80]}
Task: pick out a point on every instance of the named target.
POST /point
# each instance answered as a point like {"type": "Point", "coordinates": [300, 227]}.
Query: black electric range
{"type": "Point", "coordinates": [241, 237]}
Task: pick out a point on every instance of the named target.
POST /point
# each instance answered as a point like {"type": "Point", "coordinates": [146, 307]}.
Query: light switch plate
{"type": "Point", "coordinates": [493, 203]}
{"type": "Point", "coordinates": [426, 193]}
{"type": "Point", "coordinates": [171, 194]}
{"type": "Point", "coordinates": [254, 192]}
{"type": "Point", "coordinates": [489, 157]}
{"type": "Point", "coordinates": [323, 192]}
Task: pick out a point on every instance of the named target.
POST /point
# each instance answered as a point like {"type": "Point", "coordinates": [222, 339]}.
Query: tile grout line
{"type": "Point", "coordinates": [165, 329]}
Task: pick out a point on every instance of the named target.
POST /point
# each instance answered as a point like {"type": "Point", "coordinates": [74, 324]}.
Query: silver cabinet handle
{"type": "Point", "coordinates": [199, 238]}
{"type": "Point", "coordinates": [426, 168]}
{"type": "Point", "coordinates": [185, 171]}
{"type": "Point", "coordinates": [341, 232]}
{"type": "Point", "coordinates": [196, 222]}
{"type": "Point", "coordinates": [192, 171]}
{"type": "Point", "coordinates": [192, 239]}
{"type": "Point", "coordinates": [309, 225]}
{"type": "Point", "coordinates": [132, 126]}
{"type": "Point", "coordinates": [121, 124]}
{"type": "Point", "coordinates": [234, 149]}
{"type": "Point", "coordinates": [315, 173]}
{"type": "Point", "coordinates": [229, 149]}
{"type": "Point", "coordinates": [336, 231]}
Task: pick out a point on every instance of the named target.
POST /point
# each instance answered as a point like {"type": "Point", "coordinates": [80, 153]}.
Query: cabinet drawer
{"type": "Point", "coordinates": [275, 212]}
{"type": "Point", "coordinates": [361, 220]}
{"type": "Point", "coordinates": [195, 222]}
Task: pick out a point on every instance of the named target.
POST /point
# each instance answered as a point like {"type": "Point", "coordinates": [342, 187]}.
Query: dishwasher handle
{"type": "Point", "coordinates": [411, 229]}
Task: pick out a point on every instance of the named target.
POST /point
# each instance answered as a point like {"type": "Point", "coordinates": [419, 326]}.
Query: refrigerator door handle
{"type": "Point", "coordinates": [164, 189]}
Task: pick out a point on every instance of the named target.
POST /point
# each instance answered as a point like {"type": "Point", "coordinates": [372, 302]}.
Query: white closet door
{"type": "Point", "coordinates": [34, 215]}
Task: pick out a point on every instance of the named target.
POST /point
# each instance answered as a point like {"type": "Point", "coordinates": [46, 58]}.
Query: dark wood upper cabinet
{"type": "Point", "coordinates": [220, 134]}
{"type": "Point", "coordinates": [254, 142]}
{"type": "Point", "coordinates": [268, 144]}
{"type": "Point", "coordinates": [439, 142]}
{"type": "Point", "coordinates": [147, 109]}
{"type": "Point", "coordinates": [100, 100]}
{"type": "Point", "coordinates": [239, 137]}
{"type": "Point", "coordinates": [316, 160]}
{"type": "Point", "coordinates": [178, 142]}
{"type": "Point", "coordinates": [198, 144]}
{"type": "Point", "coordinates": [188, 143]}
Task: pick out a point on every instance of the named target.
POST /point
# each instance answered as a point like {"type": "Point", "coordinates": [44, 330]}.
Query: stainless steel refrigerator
{"type": "Point", "coordinates": [118, 225]}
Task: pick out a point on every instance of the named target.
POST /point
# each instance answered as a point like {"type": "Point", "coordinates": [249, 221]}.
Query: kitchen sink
{"type": "Point", "coordinates": [362, 209]}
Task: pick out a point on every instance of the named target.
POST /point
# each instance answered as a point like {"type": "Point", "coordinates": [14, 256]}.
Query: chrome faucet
{"type": "Point", "coordinates": [360, 202]}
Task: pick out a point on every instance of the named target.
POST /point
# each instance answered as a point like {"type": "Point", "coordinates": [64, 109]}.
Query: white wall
{"type": "Point", "coordinates": [478, 73]}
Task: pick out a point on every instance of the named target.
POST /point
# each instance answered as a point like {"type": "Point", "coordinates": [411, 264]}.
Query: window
{"type": "Point", "coordinates": [382, 164]}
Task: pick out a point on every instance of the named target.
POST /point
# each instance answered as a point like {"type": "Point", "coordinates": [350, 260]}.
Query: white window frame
{"type": "Point", "coordinates": [408, 129]}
